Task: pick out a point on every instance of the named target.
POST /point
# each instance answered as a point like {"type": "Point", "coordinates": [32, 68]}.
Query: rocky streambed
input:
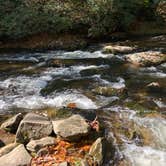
{"type": "Point", "coordinates": [101, 106]}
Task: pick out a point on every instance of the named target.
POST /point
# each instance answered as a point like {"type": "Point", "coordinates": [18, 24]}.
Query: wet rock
{"type": "Point", "coordinates": [12, 123]}
{"type": "Point", "coordinates": [98, 150]}
{"type": "Point", "coordinates": [110, 91]}
{"type": "Point", "coordinates": [115, 49]}
{"type": "Point", "coordinates": [147, 58]}
{"type": "Point", "coordinates": [33, 126]}
{"type": "Point", "coordinates": [6, 149]}
{"type": "Point", "coordinates": [17, 157]}
{"type": "Point", "coordinates": [59, 62]}
{"type": "Point", "coordinates": [93, 71]}
{"type": "Point", "coordinates": [62, 62]}
{"type": "Point", "coordinates": [71, 128]}
{"type": "Point", "coordinates": [60, 84]}
{"type": "Point", "coordinates": [36, 145]}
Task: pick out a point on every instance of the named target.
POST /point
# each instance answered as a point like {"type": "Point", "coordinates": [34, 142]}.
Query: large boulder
{"type": "Point", "coordinates": [33, 126]}
{"type": "Point", "coordinates": [36, 145]}
{"type": "Point", "coordinates": [17, 157]}
{"type": "Point", "coordinates": [71, 128]}
{"type": "Point", "coordinates": [98, 150]}
{"type": "Point", "coordinates": [12, 123]}
{"type": "Point", "coordinates": [147, 58]}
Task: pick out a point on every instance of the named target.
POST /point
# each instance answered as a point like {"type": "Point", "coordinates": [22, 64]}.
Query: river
{"type": "Point", "coordinates": [134, 119]}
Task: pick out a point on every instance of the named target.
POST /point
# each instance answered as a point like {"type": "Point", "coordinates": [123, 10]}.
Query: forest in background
{"type": "Point", "coordinates": [93, 18]}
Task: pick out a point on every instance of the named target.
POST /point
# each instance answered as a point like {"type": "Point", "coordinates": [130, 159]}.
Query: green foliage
{"type": "Point", "coordinates": [19, 18]}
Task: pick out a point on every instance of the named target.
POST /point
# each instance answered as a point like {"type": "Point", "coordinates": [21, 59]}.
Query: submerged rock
{"type": "Point", "coordinates": [115, 49]}
{"type": "Point", "coordinates": [110, 91]}
{"type": "Point", "coordinates": [71, 128]}
{"type": "Point", "coordinates": [17, 157]}
{"type": "Point", "coordinates": [33, 126]}
{"type": "Point", "coordinates": [147, 58]}
{"type": "Point", "coordinates": [12, 123]}
{"type": "Point", "coordinates": [36, 145]}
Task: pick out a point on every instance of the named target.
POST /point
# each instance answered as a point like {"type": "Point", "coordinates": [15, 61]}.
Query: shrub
{"type": "Point", "coordinates": [20, 18]}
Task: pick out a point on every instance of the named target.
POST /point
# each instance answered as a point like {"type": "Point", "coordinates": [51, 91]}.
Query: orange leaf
{"type": "Point", "coordinates": [72, 105]}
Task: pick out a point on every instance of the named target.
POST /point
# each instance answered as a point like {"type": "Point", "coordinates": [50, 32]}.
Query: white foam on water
{"type": "Point", "coordinates": [148, 69]}
{"type": "Point", "coordinates": [85, 54]}
{"type": "Point", "coordinates": [23, 85]}
{"type": "Point", "coordinates": [3, 105]}
{"type": "Point", "coordinates": [160, 104]}
{"type": "Point", "coordinates": [157, 127]}
{"type": "Point", "coordinates": [73, 70]}
{"type": "Point", "coordinates": [78, 54]}
{"type": "Point", "coordinates": [158, 75]}
{"type": "Point", "coordinates": [153, 71]}
{"type": "Point", "coordinates": [60, 100]}
{"type": "Point", "coordinates": [117, 85]}
{"type": "Point", "coordinates": [144, 156]}
{"type": "Point", "coordinates": [163, 65]}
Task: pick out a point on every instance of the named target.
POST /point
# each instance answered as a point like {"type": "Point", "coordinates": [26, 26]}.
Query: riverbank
{"type": "Point", "coordinates": [71, 42]}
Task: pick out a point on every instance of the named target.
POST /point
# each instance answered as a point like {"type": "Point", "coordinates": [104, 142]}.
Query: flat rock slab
{"type": "Point", "coordinates": [12, 123]}
{"type": "Point", "coordinates": [147, 58]}
{"type": "Point", "coordinates": [33, 126]}
{"type": "Point", "coordinates": [17, 157]}
{"type": "Point", "coordinates": [36, 145]}
{"type": "Point", "coordinates": [71, 128]}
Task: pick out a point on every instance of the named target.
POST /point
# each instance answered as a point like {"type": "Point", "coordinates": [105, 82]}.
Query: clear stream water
{"type": "Point", "coordinates": [53, 79]}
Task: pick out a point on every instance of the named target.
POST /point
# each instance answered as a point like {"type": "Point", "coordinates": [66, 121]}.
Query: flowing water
{"type": "Point", "coordinates": [134, 119]}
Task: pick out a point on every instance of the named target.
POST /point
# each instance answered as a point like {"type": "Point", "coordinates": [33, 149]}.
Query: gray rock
{"type": "Point", "coordinates": [71, 128]}
{"type": "Point", "coordinates": [147, 58]}
{"type": "Point", "coordinates": [6, 149]}
{"type": "Point", "coordinates": [17, 157]}
{"type": "Point", "coordinates": [98, 150]}
{"type": "Point", "coordinates": [33, 126]}
{"type": "Point", "coordinates": [36, 145]}
{"type": "Point", "coordinates": [12, 123]}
